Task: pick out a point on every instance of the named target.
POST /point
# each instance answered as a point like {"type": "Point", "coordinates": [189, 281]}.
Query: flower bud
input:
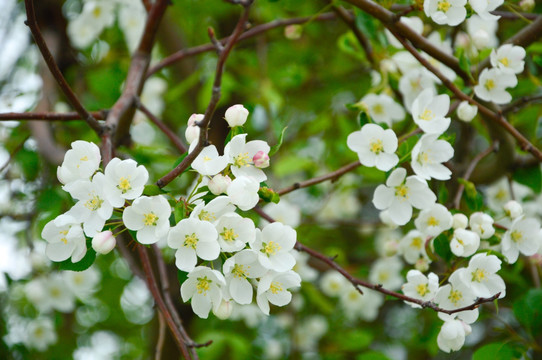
{"type": "Point", "coordinates": [261, 160]}
{"type": "Point", "coordinates": [391, 247]}
{"type": "Point", "coordinates": [422, 264]}
{"type": "Point", "coordinates": [466, 112]}
{"type": "Point", "coordinates": [293, 32]}
{"type": "Point", "coordinates": [191, 134]}
{"type": "Point", "coordinates": [480, 39]}
{"type": "Point", "coordinates": [195, 118]}
{"type": "Point", "coordinates": [224, 310]}
{"type": "Point", "coordinates": [387, 65]}
{"type": "Point", "coordinates": [219, 184]}
{"type": "Point", "coordinates": [526, 5]}
{"type": "Point", "coordinates": [460, 221]}
{"type": "Point", "coordinates": [236, 115]}
{"type": "Point", "coordinates": [104, 242]}
{"type": "Point", "coordinates": [462, 40]}
{"type": "Point", "coordinates": [513, 209]}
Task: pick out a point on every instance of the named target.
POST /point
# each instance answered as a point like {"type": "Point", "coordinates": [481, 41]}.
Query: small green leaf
{"type": "Point", "coordinates": [82, 264]}
{"type": "Point", "coordinates": [268, 195]}
{"type": "Point", "coordinates": [528, 311]}
{"type": "Point", "coordinates": [531, 177]}
{"type": "Point", "coordinates": [234, 131]}
{"type": "Point", "coordinates": [152, 190]}
{"type": "Point", "coordinates": [442, 247]}
{"type": "Point", "coordinates": [363, 118]}
{"type": "Point", "coordinates": [180, 211]}
{"type": "Point", "coordinates": [354, 340]}
{"type": "Point", "coordinates": [277, 146]}
{"type": "Point", "coordinates": [496, 351]}
{"type": "Point", "coordinates": [372, 355]}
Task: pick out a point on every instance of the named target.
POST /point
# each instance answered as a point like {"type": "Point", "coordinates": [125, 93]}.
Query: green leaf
{"type": "Point", "coordinates": [496, 351]}
{"type": "Point", "coordinates": [354, 340]}
{"type": "Point", "coordinates": [180, 211]}
{"type": "Point", "coordinates": [372, 355]}
{"type": "Point", "coordinates": [363, 118]}
{"type": "Point", "coordinates": [442, 247]}
{"type": "Point", "coordinates": [268, 195]}
{"type": "Point", "coordinates": [528, 311]}
{"type": "Point", "coordinates": [29, 163]}
{"type": "Point", "coordinates": [473, 198]}
{"type": "Point", "coordinates": [366, 24]}
{"type": "Point", "coordinates": [531, 177]}
{"type": "Point", "coordinates": [277, 146]}
{"type": "Point", "coordinates": [82, 264]}
{"type": "Point", "coordinates": [152, 190]}
{"type": "Point", "coordinates": [234, 131]}
{"type": "Point", "coordinates": [464, 62]}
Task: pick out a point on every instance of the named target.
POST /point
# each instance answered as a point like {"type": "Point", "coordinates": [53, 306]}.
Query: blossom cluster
{"type": "Point", "coordinates": [211, 236]}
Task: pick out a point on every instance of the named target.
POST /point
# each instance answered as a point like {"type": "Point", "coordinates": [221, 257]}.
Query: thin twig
{"type": "Point", "coordinates": [32, 23]}
{"type": "Point", "coordinates": [50, 116]}
{"type": "Point", "coordinates": [350, 21]}
{"type": "Point", "coordinates": [493, 147]}
{"type": "Point", "coordinates": [254, 31]}
{"type": "Point", "coordinates": [215, 98]}
{"type": "Point", "coordinates": [13, 153]}
{"type": "Point", "coordinates": [520, 103]}
{"type": "Point", "coordinates": [153, 288]}
{"type": "Point", "coordinates": [161, 337]}
{"type": "Point", "coordinates": [175, 140]}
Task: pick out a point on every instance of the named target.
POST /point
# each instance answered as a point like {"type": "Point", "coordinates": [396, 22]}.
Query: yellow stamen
{"type": "Point", "coordinates": [427, 115]}
{"type": "Point", "coordinates": [432, 221]}
{"type": "Point", "coordinates": [443, 6]}
{"type": "Point", "coordinates": [191, 241]}
{"type": "Point", "coordinates": [401, 191]}
{"type": "Point", "coordinates": [206, 216]}
{"type": "Point", "coordinates": [455, 296]}
{"type": "Point", "coordinates": [489, 85]}
{"type": "Point", "coordinates": [241, 160]}
{"type": "Point", "coordinates": [94, 203]}
{"type": "Point", "coordinates": [124, 185]}
{"type": "Point", "coordinates": [504, 61]}
{"type": "Point", "coordinates": [516, 236]}
{"type": "Point", "coordinates": [276, 287]}
{"type": "Point", "coordinates": [376, 146]}
{"type": "Point", "coordinates": [417, 243]}
{"type": "Point", "coordinates": [478, 275]}
{"type": "Point", "coordinates": [150, 219]}
{"type": "Point", "coordinates": [229, 234]}
{"type": "Point", "coordinates": [378, 109]}
{"type": "Point", "coordinates": [270, 248]}
{"type": "Point", "coordinates": [203, 285]}
{"type": "Point", "coordinates": [422, 289]}
{"type": "Point", "coordinates": [239, 271]}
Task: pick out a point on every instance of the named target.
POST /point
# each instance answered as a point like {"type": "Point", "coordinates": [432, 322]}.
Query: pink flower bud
{"type": "Point", "coordinates": [195, 118]}
{"type": "Point", "coordinates": [191, 134]}
{"type": "Point", "coordinates": [261, 160]}
{"type": "Point", "coordinates": [104, 242]}
{"type": "Point", "coordinates": [219, 184]}
{"type": "Point", "coordinates": [236, 115]}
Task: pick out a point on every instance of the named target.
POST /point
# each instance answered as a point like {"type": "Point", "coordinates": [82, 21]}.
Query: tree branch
{"type": "Point", "coordinates": [215, 98]}
{"type": "Point", "coordinates": [50, 116]}
{"type": "Point", "coordinates": [175, 140]}
{"type": "Point", "coordinates": [32, 23]}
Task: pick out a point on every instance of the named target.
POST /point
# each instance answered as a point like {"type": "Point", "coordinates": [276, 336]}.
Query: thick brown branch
{"type": "Point", "coordinates": [50, 116]}
{"type": "Point", "coordinates": [215, 98]}
{"type": "Point", "coordinates": [256, 30]}
{"type": "Point", "coordinates": [31, 22]}
{"type": "Point", "coordinates": [175, 140]}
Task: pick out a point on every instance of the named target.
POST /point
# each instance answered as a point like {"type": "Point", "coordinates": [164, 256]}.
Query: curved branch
{"type": "Point", "coordinates": [50, 116]}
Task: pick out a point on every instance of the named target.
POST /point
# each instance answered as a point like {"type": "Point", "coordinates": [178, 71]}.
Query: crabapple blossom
{"type": "Point", "coordinates": [274, 244]}
{"type": "Point", "coordinates": [209, 162]}
{"type": "Point", "coordinates": [428, 155]}
{"type": "Point", "coordinates": [483, 32]}
{"type": "Point", "coordinates": [420, 287]}
{"type": "Point", "coordinates": [480, 276]}
{"type": "Point", "coordinates": [513, 209]}
{"type": "Point", "coordinates": [455, 295]}
{"type": "Point", "coordinates": [124, 181]}
{"type": "Point", "coordinates": [522, 237]}
{"type": "Point", "coordinates": [386, 272]}
{"type": "Point", "coordinates": [104, 242]}
{"type": "Point", "coordinates": [273, 288]}
{"type": "Point", "coordinates": [374, 146]}
{"type": "Point", "coordinates": [149, 216]}
{"type": "Point", "coordinates": [93, 207]}
{"type": "Point", "coordinates": [400, 194]}
{"type": "Point", "coordinates": [482, 224]}
{"type": "Point", "coordinates": [484, 7]}
{"type": "Point", "coordinates": [203, 286]}
{"type": "Point", "coordinates": [464, 242]}
{"type": "Point", "coordinates": [492, 84]}
{"type": "Point", "coordinates": [237, 270]}
{"type": "Point", "coordinates": [383, 109]}
{"type": "Point", "coordinates": [240, 155]}
{"type": "Point", "coordinates": [236, 115]}
{"type": "Point", "coordinates": [364, 306]}
{"type": "Point", "coordinates": [192, 130]}
{"type": "Point", "coordinates": [412, 246]}
{"type": "Point", "coordinates": [224, 310]}
{"type": "Point", "coordinates": [80, 162]}
{"type": "Point", "coordinates": [508, 58]}
{"type": "Point", "coordinates": [214, 210]}
{"type": "Point", "coordinates": [413, 22]}
{"type": "Point", "coordinates": [446, 12]}
{"type": "Point", "coordinates": [40, 333]}
{"type": "Point", "coordinates": [429, 112]}
{"type": "Point", "coordinates": [333, 283]}
{"type": "Point", "coordinates": [193, 238]}
{"type": "Point", "coordinates": [284, 212]}
{"type": "Point", "coordinates": [234, 232]}
{"type": "Point", "coordinates": [460, 221]}
{"type": "Point", "coordinates": [83, 284]}
{"type": "Point", "coordinates": [452, 335]}
{"type": "Point", "coordinates": [65, 239]}
{"type": "Point", "coordinates": [219, 184]}
{"type": "Point", "coordinates": [132, 18]}
{"type": "Point", "coordinates": [527, 5]}
{"type": "Point", "coordinates": [85, 28]}
{"type": "Point", "coordinates": [243, 192]}
{"type": "Point", "coordinates": [434, 220]}
{"type": "Point", "coordinates": [412, 83]}
{"type": "Point", "coordinates": [466, 112]}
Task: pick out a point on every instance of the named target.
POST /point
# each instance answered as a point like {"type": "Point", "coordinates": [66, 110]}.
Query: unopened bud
{"type": "Point", "coordinates": [391, 247]}
{"type": "Point", "coordinates": [104, 242]}
{"type": "Point", "coordinates": [219, 184]}
{"type": "Point", "coordinates": [195, 118]}
{"type": "Point", "coordinates": [293, 32]}
{"type": "Point", "coordinates": [422, 264]}
{"type": "Point", "coordinates": [460, 221]}
{"type": "Point", "coordinates": [526, 5]}
{"type": "Point", "coordinates": [480, 39]}
{"type": "Point", "coordinates": [466, 112]}
{"type": "Point", "coordinates": [236, 115]}
{"type": "Point", "coordinates": [261, 160]}
{"type": "Point", "coordinates": [224, 310]}
{"type": "Point", "coordinates": [513, 209]}
{"type": "Point", "coordinates": [191, 134]}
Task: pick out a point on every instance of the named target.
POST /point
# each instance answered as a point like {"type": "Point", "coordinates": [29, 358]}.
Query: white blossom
{"type": "Point", "coordinates": [103, 242]}
{"type": "Point", "coordinates": [482, 224]}
{"type": "Point", "coordinates": [82, 284]}
{"type": "Point", "coordinates": [65, 239]}
{"type": "Point", "coordinates": [274, 244]}
{"type": "Point", "coordinates": [481, 276]}
{"type": "Point", "coordinates": [412, 83]}
{"type": "Point", "coordinates": [484, 7]}
{"type": "Point", "coordinates": [508, 58]}
{"type": "Point", "coordinates": [492, 84]}
{"type": "Point", "coordinates": [428, 156]}
{"type": "Point", "coordinates": [374, 146]}
{"type": "Point", "coordinates": [40, 333]}
{"type": "Point", "coordinates": [284, 212]}
{"type": "Point", "coordinates": [460, 221]}
{"type": "Point", "coordinates": [236, 115]}
{"type": "Point", "coordinates": [240, 155]}
{"type": "Point", "coordinates": [383, 109]}
{"type": "Point", "coordinates": [80, 162]}
{"type": "Point", "coordinates": [522, 237]}
{"type": "Point", "coordinates": [124, 181]}
{"type": "Point", "coordinates": [420, 287]}
{"type": "Point", "coordinates": [513, 209]}
{"type": "Point", "coordinates": [464, 242]}
{"type": "Point", "coordinates": [149, 216]}
{"type": "Point", "coordinates": [454, 295]}
{"type": "Point", "coordinates": [452, 335]}
{"type": "Point", "coordinates": [333, 283]}
{"type": "Point", "coordinates": [214, 210]}
{"type": "Point", "coordinates": [243, 192]}
{"type": "Point", "coordinates": [483, 32]}
{"type": "Point", "coordinates": [193, 238]}
{"type": "Point", "coordinates": [132, 18]}
{"type": "Point", "coordinates": [413, 22]}
{"type": "Point", "coordinates": [209, 162]}
{"type": "Point", "coordinates": [238, 269]}
{"type": "Point", "coordinates": [466, 112]}
{"type": "Point", "coordinates": [387, 272]}
{"type": "Point", "coordinates": [203, 286]}
{"type": "Point", "coordinates": [273, 288]}
{"type": "Point", "coordinates": [400, 194]}
{"type": "Point", "coordinates": [234, 232]}
{"type": "Point", "coordinates": [219, 184]}
{"type": "Point", "coordinates": [412, 246]}
{"type": "Point", "coordinates": [434, 220]}
{"type": "Point", "coordinates": [446, 12]}
{"type": "Point", "coordinates": [429, 112]}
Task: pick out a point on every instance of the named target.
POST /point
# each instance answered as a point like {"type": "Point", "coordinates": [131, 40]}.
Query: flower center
{"type": "Point", "coordinates": [191, 240]}
{"type": "Point", "coordinates": [455, 296]}
{"type": "Point", "coordinates": [241, 160]}
{"type": "Point", "coordinates": [378, 109]}
{"type": "Point", "coordinates": [422, 289]}
{"type": "Point", "coordinates": [478, 275]}
{"type": "Point", "coordinates": [504, 61]}
{"type": "Point", "coordinates": [423, 158]}
{"type": "Point", "coordinates": [124, 185]}
{"type": "Point", "coordinates": [516, 236]}
{"type": "Point", "coordinates": [206, 158]}
{"type": "Point", "coordinates": [203, 285]}
{"type": "Point", "coordinates": [432, 221]}
{"type": "Point", "coordinates": [427, 115]}
{"type": "Point", "coordinates": [270, 248]}
{"type": "Point", "coordinates": [150, 219]}
{"type": "Point", "coordinates": [443, 6]}
{"type": "Point", "coordinates": [239, 271]}
{"type": "Point", "coordinates": [229, 234]}
{"type": "Point", "coordinates": [401, 191]}
{"type": "Point", "coordinates": [376, 146]}
{"type": "Point", "coordinates": [206, 216]}
{"type": "Point", "coordinates": [94, 203]}
{"type": "Point", "coordinates": [276, 287]}
{"type": "Point", "coordinates": [97, 12]}
{"type": "Point", "coordinates": [417, 243]}
{"type": "Point", "coordinates": [490, 84]}
{"type": "Point", "coordinates": [383, 276]}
